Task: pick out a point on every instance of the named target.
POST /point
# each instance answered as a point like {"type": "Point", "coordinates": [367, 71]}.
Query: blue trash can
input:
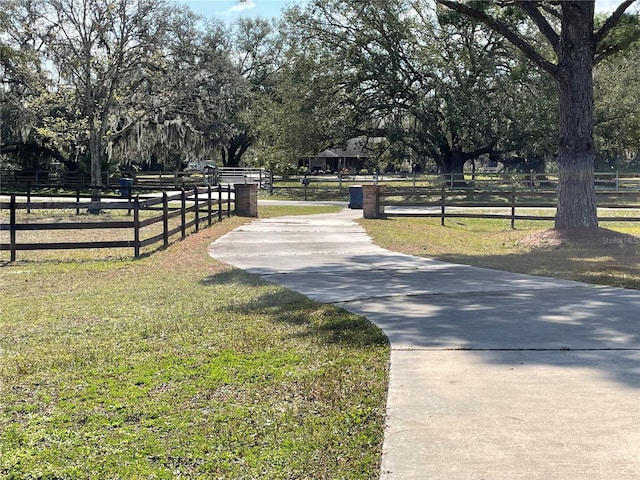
{"type": "Point", "coordinates": [125, 186]}
{"type": "Point", "coordinates": [355, 197]}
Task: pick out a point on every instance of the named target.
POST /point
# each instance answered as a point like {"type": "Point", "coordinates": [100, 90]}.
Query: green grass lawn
{"type": "Point", "coordinates": [610, 256]}
{"type": "Point", "coordinates": [266, 211]}
{"type": "Point", "coordinates": [178, 366]}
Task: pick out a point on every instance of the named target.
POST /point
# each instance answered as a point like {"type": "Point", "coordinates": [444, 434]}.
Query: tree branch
{"type": "Point", "coordinates": [17, 147]}
{"type": "Point", "coordinates": [530, 52]}
{"type": "Point", "coordinates": [602, 50]}
{"type": "Point", "coordinates": [551, 10]}
{"type": "Point", "coordinates": [531, 9]}
{"type": "Point", "coordinates": [612, 21]}
{"type": "Point", "coordinates": [603, 53]}
{"type": "Point", "coordinates": [480, 151]}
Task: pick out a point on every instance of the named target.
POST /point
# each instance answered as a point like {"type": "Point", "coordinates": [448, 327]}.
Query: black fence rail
{"type": "Point", "coordinates": [149, 220]}
{"type": "Point", "coordinates": [312, 184]}
{"type": "Point", "coordinates": [512, 205]}
{"type": "Point", "coordinates": [604, 181]}
{"type": "Point", "coordinates": [158, 180]}
{"type": "Point", "coordinates": [44, 178]}
{"type": "Point", "coordinates": [335, 186]}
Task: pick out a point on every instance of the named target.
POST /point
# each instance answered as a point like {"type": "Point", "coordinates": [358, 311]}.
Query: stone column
{"type": "Point", "coordinates": [246, 202]}
{"type": "Point", "coordinates": [372, 207]}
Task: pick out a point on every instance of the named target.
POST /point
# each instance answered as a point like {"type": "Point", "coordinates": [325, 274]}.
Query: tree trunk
{"type": "Point", "coordinates": [453, 164]}
{"type": "Point", "coordinates": [232, 153]}
{"type": "Point", "coordinates": [576, 186]}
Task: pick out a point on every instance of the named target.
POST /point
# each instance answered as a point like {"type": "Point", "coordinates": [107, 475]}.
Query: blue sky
{"type": "Point", "coordinates": [230, 10]}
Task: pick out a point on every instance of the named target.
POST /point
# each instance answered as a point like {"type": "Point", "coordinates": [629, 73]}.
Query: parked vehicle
{"type": "Point", "coordinates": [205, 167]}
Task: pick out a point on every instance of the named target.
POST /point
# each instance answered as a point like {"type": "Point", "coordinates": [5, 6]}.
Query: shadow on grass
{"type": "Point", "coordinates": [327, 324]}
{"type": "Point", "coordinates": [609, 258]}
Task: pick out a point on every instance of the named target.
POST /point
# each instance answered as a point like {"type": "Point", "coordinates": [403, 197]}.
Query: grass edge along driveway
{"type": "Point", "coordinates": [604, 256]}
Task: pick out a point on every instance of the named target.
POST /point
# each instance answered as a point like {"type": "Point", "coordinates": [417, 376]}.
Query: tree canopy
{"type": "Point", "coordinates": [445, 88]}
{"type": "Point", "coordinates": [103, 81]}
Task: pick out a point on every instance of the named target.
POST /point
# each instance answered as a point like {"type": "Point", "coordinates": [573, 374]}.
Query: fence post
{"type": "Point", "coordinates": [513, 208]}
{"type": "Point", "coordinates": [532, 180]}
{"type": "Point", "coordinates": [130, 192]}
{"type": "Point", "coordinates": [617, 180]}
{"type": "Point", "coordinates": [77, 200]}
{"type": "Point", "coordinates": [136, 227]}
{"type": "Point", "coordinates": [12, 227]}
{"type": "Point", "coordinates": [219, 202]}
{"type": "Point", "coordinates": [270, 182]}
{"type": "Point", "coordinates": [209, 204]}
{"type": "Point", "coordinates": [452, 180]}
{"type": "Point", "coordinates": [372, 201]}
{"type": "Point", "coordinates": [246, 200]}
{"type": "Point", "coordinates": [443, 205]}
{"type": "Point", "coordinates": [228, 200]}
{"type": "Point", "coordinates": [183, 213]}
{"type": "Point", "coordinates": [197, 205]}
{"type": "Point", "coordinates": [28, 197]}
{"type": "Point", "coordinates": [165, 219]}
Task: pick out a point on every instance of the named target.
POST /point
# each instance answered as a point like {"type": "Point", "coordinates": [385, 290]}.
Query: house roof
{"type": "Point", "coordinates": [355, 147]}
{"type": "Point", "coordinates": [328, 154]}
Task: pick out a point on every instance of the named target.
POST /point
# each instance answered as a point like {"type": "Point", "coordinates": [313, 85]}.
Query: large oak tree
{"type": "Point", "coordinates": [575, 47]}
{"type": "Point", "coordinates": [107, 50]}
{"type": "Point", "coordinates": [447, 87]}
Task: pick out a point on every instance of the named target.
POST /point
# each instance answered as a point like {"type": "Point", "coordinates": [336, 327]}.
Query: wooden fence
{"type": "Point", "coordinates": [335, 186]}
{"type": "Point", "coordinates": [45, 179]}
{"type": "Point", "coordinates": [171, 214]}
{"type": "Point", "coordinates": [157, 180]}
{"type": "Point", "coordinates": [515, 205]}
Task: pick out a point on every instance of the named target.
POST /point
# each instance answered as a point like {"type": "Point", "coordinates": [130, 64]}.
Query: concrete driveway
{"type": "Point", "coordinates": [493, 375]}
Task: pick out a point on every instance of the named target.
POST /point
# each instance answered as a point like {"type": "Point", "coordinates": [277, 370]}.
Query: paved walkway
{"type": "Point", "coordinates": [493, 375]}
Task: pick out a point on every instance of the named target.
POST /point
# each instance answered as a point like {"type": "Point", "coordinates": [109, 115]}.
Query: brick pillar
{"type": "Point", "coordinates": [246, 199]}
{"type": "Point", "coordinates": [371, 204]}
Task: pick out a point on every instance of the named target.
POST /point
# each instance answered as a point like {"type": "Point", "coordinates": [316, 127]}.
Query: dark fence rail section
{"type": "Point", "coordinates": [516, 205]}
{"type": "Point", "coordinates": [157, 180]}
{"type": "Point", "coordinates": [312, 185]}
{"type": "Point", "coordinates": [193, 207]}
{"type": "Point", "coordinates": [316, 186]}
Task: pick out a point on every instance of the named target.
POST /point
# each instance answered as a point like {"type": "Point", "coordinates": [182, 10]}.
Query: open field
{"type": "Point", "coordinates": [177, 366]}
